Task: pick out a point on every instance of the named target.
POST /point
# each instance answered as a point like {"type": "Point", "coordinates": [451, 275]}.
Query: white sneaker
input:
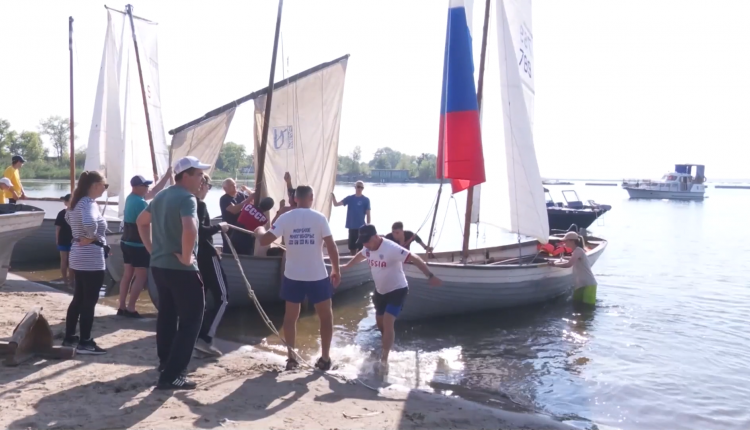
{"type": "Point", "coordinates": [207, 348]}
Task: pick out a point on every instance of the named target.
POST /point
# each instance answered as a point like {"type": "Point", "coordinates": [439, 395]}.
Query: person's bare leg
{"type": "Point", "coordinates": [379, 322]}
{"type": "Point", "coordinates": [139, 282]}
{"type": "Point", "coordinates": [291, 315]}
{"type": "Point", "coordinates": [325, 314]}
{"type": "Point", "coordinates": [127, 278]}
{"type": "Point", "coordinates": [64, 266]}
{"type": "Point", "coordinates": [389, 335]}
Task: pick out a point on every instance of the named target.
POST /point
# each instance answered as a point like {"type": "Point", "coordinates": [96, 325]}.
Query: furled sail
{"type": "Point", "coordinates": [303, 134]}
{"type": "Point", "coordinates": [520, 185]}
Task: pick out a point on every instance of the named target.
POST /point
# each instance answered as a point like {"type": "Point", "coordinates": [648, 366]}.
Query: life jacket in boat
{"type": "Point", "coordinates": [552, 250]}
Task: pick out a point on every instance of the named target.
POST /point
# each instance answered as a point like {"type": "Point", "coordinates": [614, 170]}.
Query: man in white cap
{"type": "Point", "coordinates": [584, 283]}
{"type": "Point", "coordinates": [135, 257]}
{"type": "Point", "coordinates": [6, 186]}
{"type": "Point", "coordinates": [173, 214]}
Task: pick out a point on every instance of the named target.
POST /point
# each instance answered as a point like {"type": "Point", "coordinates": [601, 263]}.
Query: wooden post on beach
{"type": "Point", "coordinates": [32, 337]}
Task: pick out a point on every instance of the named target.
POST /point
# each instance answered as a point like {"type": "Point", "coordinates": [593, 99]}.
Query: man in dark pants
{"type": "Point", "coordinates": [173, 248]}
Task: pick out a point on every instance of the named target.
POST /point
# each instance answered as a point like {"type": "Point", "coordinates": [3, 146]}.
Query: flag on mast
{"type": "Point", "coordinates": [460, 155]}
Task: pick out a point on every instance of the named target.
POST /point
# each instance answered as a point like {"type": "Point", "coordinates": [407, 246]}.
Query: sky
{"type": "Point", "coordinates": [623, 88]}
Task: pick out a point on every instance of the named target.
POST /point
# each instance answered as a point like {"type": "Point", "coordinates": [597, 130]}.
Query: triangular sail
{"type": "Point", "coordinates": [520, 186]}
{"type": "Point", "coordinates": [303, 134]}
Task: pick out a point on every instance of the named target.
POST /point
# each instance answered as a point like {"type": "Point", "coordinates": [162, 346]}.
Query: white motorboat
{"type": "Point", "coordinates": [687, 182]}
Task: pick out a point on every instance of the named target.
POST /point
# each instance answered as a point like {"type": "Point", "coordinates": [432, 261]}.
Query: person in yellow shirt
{"type": "Point", "coordinates": [12, 173]}
{"type": "Point", "coordinates": [5, 186]}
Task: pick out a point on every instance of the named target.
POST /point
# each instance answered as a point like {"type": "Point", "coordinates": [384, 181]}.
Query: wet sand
{"type": "Point", "coordinates": [243, 389]}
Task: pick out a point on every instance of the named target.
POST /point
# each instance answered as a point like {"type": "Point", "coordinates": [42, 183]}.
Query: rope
{"type": "Point", "coordinates": [270, 324]}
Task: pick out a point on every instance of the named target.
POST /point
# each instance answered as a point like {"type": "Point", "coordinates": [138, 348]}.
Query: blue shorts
{"type": "Point", "coordinates": [63, 248]}
{"type": "Point", "coordinates": [316, 291]}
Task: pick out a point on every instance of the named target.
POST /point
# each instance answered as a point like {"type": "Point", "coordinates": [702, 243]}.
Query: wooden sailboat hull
{"type": "Point", "coordinates": [263, 273]}
{"type": "Point", "coordinates": [15, 227]}
{"type": "Point", "coordinates": [475, 288]}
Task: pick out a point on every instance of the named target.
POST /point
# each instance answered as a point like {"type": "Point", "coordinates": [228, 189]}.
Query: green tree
{"type": "Point", "coordinates": [355, 159]}
{"type": "Point", "coordinates": [4, 130]}
{"type": "Point", "coordinates": [58, 131]}
{"type": "Point", "coordinates": [427, 167]}
{"type": "Point", "coordinates": [232, 157]}
{"type": "Point", "coordinates": [28, 144]}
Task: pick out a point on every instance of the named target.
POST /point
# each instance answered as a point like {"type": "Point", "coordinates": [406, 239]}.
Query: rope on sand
{"type": "Point", "coordinates": [270, 324]}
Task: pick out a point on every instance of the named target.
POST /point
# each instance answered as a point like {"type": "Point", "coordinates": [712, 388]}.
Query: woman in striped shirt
{"type": "Point", "coordinates": [86, 260]}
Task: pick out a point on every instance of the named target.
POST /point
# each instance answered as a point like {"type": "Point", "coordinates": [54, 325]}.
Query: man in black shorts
{"type": "Point", "coordinates": [386, 260]}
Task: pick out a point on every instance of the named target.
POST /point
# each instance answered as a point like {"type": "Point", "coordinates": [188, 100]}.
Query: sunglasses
{"type": "Point", "coordinates": [106, 186]}
{"type": "Point", "coordinates": [360, 188]}
{"type": "Point", "coordinates": [208, 185]}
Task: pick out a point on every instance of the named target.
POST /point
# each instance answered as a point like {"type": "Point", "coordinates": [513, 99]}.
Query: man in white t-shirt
{"type": "Point", "coordinates": [305, 231]}
{"type": "Point", "coordinates": [386, 260]}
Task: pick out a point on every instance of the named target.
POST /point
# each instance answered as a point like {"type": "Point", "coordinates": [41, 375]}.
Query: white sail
{"type": "Point", "coordinates": [118, 142]}
{"type": "Point", "coordinates": [303, 136]}
{"type": "Point", "coordinates": [203, 140]}
{"type": "Point", "coordinates": [520, 187]}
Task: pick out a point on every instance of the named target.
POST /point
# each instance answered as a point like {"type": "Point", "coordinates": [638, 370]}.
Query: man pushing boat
{"type": "Point", "coordinates": [386, 259]}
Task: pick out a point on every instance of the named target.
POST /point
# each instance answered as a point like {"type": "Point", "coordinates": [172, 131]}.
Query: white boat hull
{"type": "Point", "coordinates": [475, 288]}
{"type": "Point", "coordinates": [13, 228]}
{"type": "Point", "coordinates": [645, 193]}
{"type": "Point", "coordinates": [263, 273]}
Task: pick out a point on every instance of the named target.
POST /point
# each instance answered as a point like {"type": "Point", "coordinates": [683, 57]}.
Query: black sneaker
{"type": "Point", "coordinates": [71, 341]}
{"type": "Point", "coordinates": [323, 365]}
{"type": "Point", "coordinates": [133, 314]}
{"type": "Point", "coordinates": [180, 383]}
{"type": "Point", "coordinates": [121, 312]}
{"type": "Point", "coordinates": [291, 364]}
{"type": "Point", "coordinates": [89, 347]}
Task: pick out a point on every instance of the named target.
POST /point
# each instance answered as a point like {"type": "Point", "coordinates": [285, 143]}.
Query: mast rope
{"type": "Point", "coordinates": [272, 327]}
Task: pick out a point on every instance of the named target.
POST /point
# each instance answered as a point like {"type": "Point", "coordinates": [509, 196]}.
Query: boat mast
{"type": "Point", "coordinates": [72, 122]}
{"type": "Point", "coordinates": [129, 11]}
{"type": "Point", "coordinates": [267, 114]}
{"type": "Point", "coordinates": [480, 87]}
{"type": "Point", "coordinates": [434, 215]}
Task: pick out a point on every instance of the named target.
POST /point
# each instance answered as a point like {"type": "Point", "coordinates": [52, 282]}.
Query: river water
{"type": "Point", "coordinates": [665, 348]}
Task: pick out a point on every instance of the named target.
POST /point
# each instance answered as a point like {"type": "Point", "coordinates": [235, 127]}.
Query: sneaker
{"type": "Point", "coordinates": [323, 365]}
{"type": "Point", "coordinates": [121, 312]}
{"type": "Point", "coordinates": [207, 348]}
{"type": "Point", "coordinates": [89, 347]}
{"type": "Point", "coordinates": [133, 314]}
{"type": "Point", "coordinates": [180, 383]}
{"type": "Point", "coordinates": [291, 364]}
{"type": "Point", "coordinates": [162, 366]}
{"type": "Point", "coordinates": [71, 341]}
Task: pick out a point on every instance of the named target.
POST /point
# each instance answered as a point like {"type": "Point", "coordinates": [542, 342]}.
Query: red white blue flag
{"type": "Point", "coordinates": [460, 155]}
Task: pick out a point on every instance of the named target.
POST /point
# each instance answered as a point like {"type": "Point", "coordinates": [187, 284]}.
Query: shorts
{"type": "Point", "coordinates": [353, 238]}
{"type": "Point", "coordinates": [63, 248]}
{"type": "Point", "coordinates": [316, 291]}
{"type": "Point", "coordinates": [136, 256]}
{"type": "Point", "coordinates": [391, 302]}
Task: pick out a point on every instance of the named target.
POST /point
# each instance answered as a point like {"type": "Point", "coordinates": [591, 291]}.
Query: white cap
{"type": "Point", "coordinates": [185, 163]}
{"type": "Point", "coordinates": [6, 181]}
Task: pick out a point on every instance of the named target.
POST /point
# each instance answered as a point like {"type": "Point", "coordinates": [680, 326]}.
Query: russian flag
{"type": "Point", "coordinates": [460, 155]}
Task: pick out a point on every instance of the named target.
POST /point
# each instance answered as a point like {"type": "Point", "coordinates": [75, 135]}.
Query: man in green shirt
{"type": "Point", "coordinates": [168, 228]}
{"type": "Point", "coordinates": [134, 255]}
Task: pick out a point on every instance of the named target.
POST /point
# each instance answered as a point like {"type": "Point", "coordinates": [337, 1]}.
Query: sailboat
{"type": "Point", "coordinates": [509, 275]}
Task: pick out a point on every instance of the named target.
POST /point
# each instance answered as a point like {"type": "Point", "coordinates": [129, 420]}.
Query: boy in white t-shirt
{"type": "Point", "coordinates": [305, 231]}
{"type": "Point", "coordinates": [584, 283]}
{"type": "Point", "coordinates": [386, 260]}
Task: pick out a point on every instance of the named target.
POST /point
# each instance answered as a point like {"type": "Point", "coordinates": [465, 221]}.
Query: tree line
{"type": "Point", "coordinates": [422, 166]}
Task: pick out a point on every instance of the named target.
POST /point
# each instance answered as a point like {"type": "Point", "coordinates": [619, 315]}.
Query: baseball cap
{"type": "Point", "coordinates": [188, 162]}
{"type": "Point", "coordinates": [571, 235]}
{"type": "Point", "coordinates": [65, 198]}
{"type": "Point", "coordinates": [366, 232]}
{"type": "Point", "coordinates": [17, 158]}
{"type": "Point", "coordinates": [6, 182]}
{"type": "Point", "coordinates": [138, 180]}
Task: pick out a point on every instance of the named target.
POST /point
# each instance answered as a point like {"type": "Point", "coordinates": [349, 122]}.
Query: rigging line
{"type": "Point", "coordinates": [427, 217]}
{"type": "Point", "coordinates": [445, 216]}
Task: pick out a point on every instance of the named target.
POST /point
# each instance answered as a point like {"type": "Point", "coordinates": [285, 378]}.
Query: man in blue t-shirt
{"type": "Point", "coordinates": [134, 255]}
{"type": "Point", "coordinates": [357, 214]}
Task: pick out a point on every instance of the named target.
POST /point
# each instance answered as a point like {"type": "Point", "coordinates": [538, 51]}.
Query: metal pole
{"type": "Point", "coordinates": [267, 114]}
{"type": "Point", "coordinates": [72, 121]}
{"type": "Point", "coordinates": [129, 11]}
{"type": "Point", "coordinates": [434, 215]}
{"type": "Point", "coordinates": [480, 87]}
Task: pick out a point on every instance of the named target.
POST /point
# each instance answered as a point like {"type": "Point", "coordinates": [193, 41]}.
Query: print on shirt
{"type": "Point", "coordinates": [302, 236]}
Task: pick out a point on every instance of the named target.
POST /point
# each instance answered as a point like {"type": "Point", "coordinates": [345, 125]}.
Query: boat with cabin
{"type": "Point", "coordinates": [504, 276]}
{"type": "Point", "coordinates": [563, 216]}
{"type": "Point", "coordinates": [686, 182]}
{"type": "Point", "coordinates": [17, 221]}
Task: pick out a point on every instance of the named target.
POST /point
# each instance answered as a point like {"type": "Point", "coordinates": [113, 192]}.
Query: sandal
{"type": "Point", "coordinates": [291, 364]}
{"type": "Point", "coordinates": [323, 365]}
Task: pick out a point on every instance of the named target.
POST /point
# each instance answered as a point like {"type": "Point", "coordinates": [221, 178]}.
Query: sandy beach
{"type": "Point", "coordinates": [243, 389]}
